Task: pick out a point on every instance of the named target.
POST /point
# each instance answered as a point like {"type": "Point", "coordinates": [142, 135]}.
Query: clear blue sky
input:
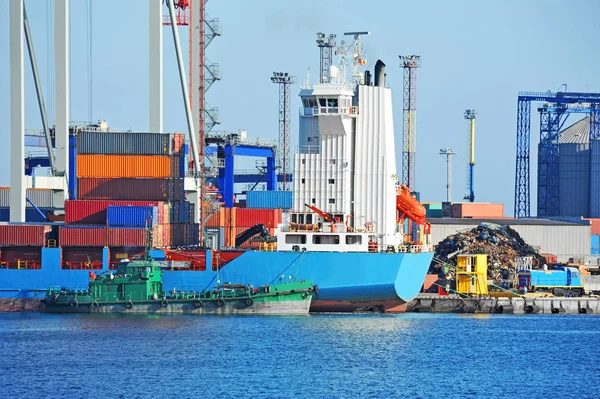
{"type": "Point", "coordinates": [475, 54]}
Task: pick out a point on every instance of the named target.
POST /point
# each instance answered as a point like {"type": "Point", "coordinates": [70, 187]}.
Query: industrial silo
{"type": "Point", "coordinates": [574, 170]}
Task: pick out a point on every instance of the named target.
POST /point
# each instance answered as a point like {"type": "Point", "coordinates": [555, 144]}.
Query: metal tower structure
{"type": "Point", "coordinates": [552, 118]}
{"type": "Point", "coordinates": [202, 75]}
{"type": "Point", "coordinates": [409, 63]}
{"type": "Point", "coordinates": [448, 154]}
{"type": "Point", "coordinates": [326, 45]}
{"type": "Point", "coordinates": [470, 115]}
{"type": "Point", "coordinates": [284, 80]}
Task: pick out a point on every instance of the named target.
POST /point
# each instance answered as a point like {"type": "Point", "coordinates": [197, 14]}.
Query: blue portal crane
{"type": "Point", "coordinates": [552, 118]}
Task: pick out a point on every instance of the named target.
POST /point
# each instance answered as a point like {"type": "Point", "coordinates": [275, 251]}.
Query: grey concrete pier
{"type": "Point", "coordinates": [427, 303]}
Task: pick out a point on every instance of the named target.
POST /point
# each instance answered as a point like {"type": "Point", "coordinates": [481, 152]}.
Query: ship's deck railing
{"type": "Point", "coordinates": [21, 265]}
{"type": "Point", "coordinates": [81, 265]}
{"type": "Point", "coordinates": [405, 248]}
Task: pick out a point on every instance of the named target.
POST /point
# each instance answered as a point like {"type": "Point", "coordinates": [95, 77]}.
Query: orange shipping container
{"type": "Point", "coordinates": [126, 166]}
{"type": "Point", "coordinates": [224, 218]}
{"type": "Point", "coordinates": [595, 226]}
{"type": "Point", "coordinates": [477, 210]}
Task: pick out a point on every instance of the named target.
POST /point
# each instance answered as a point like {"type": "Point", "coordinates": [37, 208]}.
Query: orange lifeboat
{"type": "Point", "coordinates": [406, 203]}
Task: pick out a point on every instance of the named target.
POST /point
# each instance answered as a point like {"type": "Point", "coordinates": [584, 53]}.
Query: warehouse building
{"type": "Point", "coordinates": [565, 239]}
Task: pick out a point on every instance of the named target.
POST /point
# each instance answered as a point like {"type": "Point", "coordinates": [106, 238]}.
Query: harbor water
{"type": "Point", "coordinates": [318, 356]}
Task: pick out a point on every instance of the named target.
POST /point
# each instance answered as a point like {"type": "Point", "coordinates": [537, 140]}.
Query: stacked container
{"type": "Point", "coordinates": [233, 221]}
{"type": "Point", "coordinates": [128, 185]}
{"type": "Point", "coordinates": [42, 198]}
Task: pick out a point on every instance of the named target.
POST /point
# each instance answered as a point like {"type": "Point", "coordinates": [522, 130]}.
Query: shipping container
{"type": "Point", "coordinates": [224, 217]}
{"type": "Point", "coordinates": [477, 210]}
{"type": "Point", "coordinates": [269, 199]}
{"type": "Point", "coordinates": [131, 216]}
{"type": "Point", "coordinates": [41, 197]}
{"type": "Point", "coordinates": [248, 217]}
{"type": "Point", "coordinates": [127, 237]}
{"type": "Point", "coordinates": [94, 211]}
{"type": "Point", "coordinates": [82, 254]}
{"type": "Point", "coordinates": [131, 189]}
{"type": "Point", "coordinates": [82, 236]}
{"type": "Point", "coordinates": [595, 241]}
{"type": "Point", "coordinates": [595, 225]}
{"type": "Point", "coordinates": [550, 258]}
{"type": "Point", "coordinates": [125, 143]}
{"type": "Point", "coordinates": [118, 254]}
{"type": "Point", "coordinates": [128, 166]}
{"type": "Point", "coordinates": [31, 215]}
{"type": "Point", "coordinates": [23, 235]}
{"type": "Point", "coordinates": [185, 234]}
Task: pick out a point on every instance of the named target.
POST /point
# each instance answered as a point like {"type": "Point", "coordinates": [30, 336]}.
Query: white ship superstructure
{"type": "Point", "coordinates": [346, 163]}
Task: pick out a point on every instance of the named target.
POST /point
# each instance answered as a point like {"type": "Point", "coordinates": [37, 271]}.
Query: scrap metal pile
{"type": "Point", "coordinates": [501, 243]}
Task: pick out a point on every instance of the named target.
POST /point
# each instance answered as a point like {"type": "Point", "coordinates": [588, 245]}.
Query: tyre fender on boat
{"type": "Point", "coordinates": [220, 302]}
{"type": "Point", "coordinates": [129, 304]}
{"type": "Point", "coordinates": [249, 301]}
{"type": "Point", "coordinates": [74, 303]}
{"type": "Point", "coordinates": [197, 304]}
{"type": "Point", "coordinates": [94, 305]}
{"type": "Point", "coordinates": [164, 303]}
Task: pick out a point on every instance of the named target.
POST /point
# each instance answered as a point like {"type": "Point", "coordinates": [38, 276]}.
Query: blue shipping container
{"type": "Point", "coordinates": [269, 199]}
{"type": "Point", "coordinates": [182, 168]}
{"type": "Point", "coordinates": [31, 215]}
{"type": "Point", "coordinates": [131, 216]}
{"type": "Point", "coordinates": [595, 241]}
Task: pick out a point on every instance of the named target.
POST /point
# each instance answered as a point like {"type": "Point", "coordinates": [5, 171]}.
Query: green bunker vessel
{"type": "Point", "coordinates": [136, 287]}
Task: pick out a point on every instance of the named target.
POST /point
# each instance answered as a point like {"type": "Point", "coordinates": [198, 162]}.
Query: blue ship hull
{"type": "Point", "coordinates": [347, 281]}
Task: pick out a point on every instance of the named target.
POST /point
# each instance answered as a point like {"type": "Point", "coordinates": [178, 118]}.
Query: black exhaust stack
{"type": "Point", "coordinates": [380, 74]}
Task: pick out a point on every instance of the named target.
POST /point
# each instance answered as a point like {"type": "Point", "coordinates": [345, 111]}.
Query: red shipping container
{"type": "Point", "coordinates": [13, 254]}
{"type": "Point", "coordinates": [130, 189]}
{"type": "Point", "coordinates": [248, 217]}
{"type": "Point", "coordinates": [82, 254]}
{"type": "Point", "coordinates": [82, 236]}
{"type": "Point", "coordinates": [94, 212]}
{"type": "Point", "coordinates": [124, 237]}
{"type": "Point", "coordinates": [23, 235]}
{"type": "Point", "coordinates": [178, 141]}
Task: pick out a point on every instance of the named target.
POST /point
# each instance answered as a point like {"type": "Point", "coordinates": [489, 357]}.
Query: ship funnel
{"type": "Point", "coordinates": [367, 78]}
{"type": "Point", "coordinates": [380, 74]}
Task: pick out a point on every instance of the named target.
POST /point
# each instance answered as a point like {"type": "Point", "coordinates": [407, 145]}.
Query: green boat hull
{"type": "Point", "coordinates": [288, 304]}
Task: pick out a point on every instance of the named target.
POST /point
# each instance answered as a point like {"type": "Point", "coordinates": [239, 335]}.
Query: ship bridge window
{"type": "Point", "coordinates": [309, 218]}
{"type": "Point", "coordinates": [353, 240]}
{"type": "Point", "coordinates": [294, 218]}
{"type": "Point", "coordinates": [331, 239]}
{"type": "Point", "coordinates": [332, 102]}
{"type": "Point", "coordinates": [323, 102]}
{"type": "Point", "coordinates": [295, 238]}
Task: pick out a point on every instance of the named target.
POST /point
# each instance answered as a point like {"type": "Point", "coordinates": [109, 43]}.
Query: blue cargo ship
{"type": "Point", "coordinates": [351, 229]}
{"type": "Point", "coordinates": [347, 281]}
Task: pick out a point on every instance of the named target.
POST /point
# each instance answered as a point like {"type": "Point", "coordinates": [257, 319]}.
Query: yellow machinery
{"type": "Point", "coordinates": [471, 275]}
